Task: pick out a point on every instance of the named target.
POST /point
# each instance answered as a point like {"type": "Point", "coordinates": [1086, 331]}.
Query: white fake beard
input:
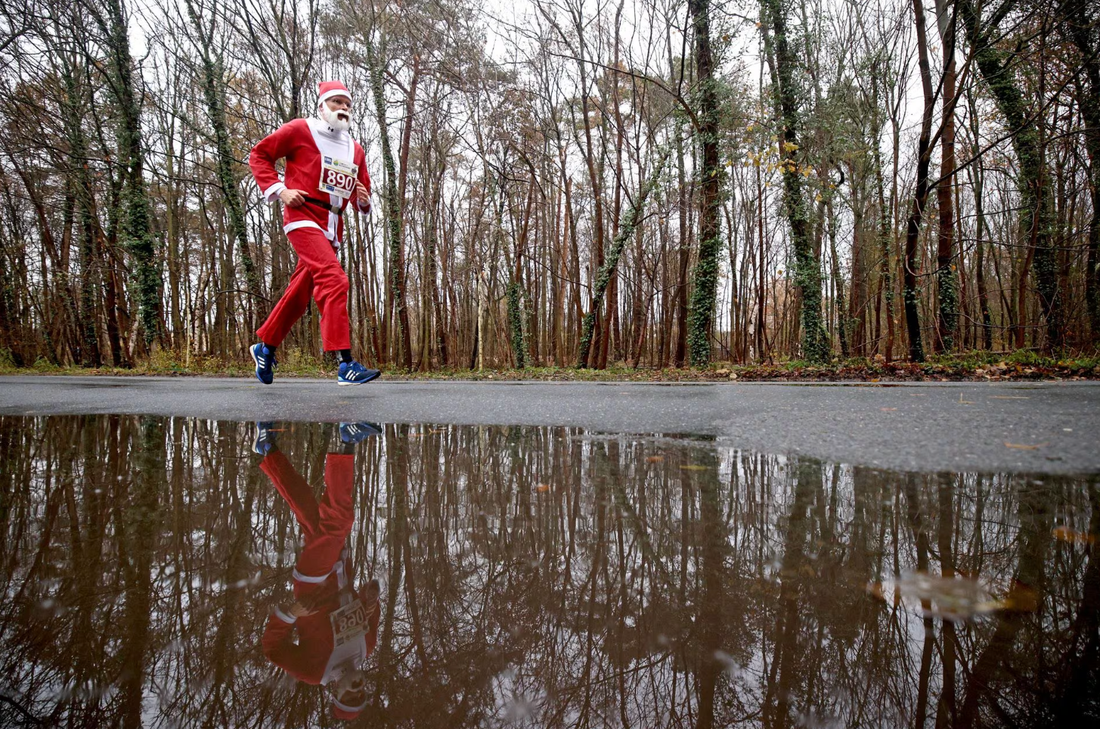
{"type": "Point", "coordinates": [339, 120]}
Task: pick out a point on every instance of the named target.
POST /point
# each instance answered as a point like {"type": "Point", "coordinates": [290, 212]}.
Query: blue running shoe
{"type": "Point", "coordinates": [353, 373]}
{"type": "Point", "coordinates": [265, 438]}
{"type": "Point", "coordinates": [265, 362]}
{"type": "Point", "coordinates": [357, 432]}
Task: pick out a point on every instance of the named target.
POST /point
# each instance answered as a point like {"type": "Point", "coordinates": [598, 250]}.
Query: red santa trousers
{"type": "Point", "coordinates": [319, 275]}
{"type": "Point", "coordinates": [325, 525]}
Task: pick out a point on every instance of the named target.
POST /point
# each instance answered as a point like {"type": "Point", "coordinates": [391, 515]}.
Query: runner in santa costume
{"type": "Point", "coordinates": [336, 625]}
{"type": "Point", "coordinates": [326, 172]}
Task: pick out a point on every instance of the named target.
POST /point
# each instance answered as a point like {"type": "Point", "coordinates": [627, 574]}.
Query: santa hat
{"type": "Point", "coordinates": [327, 89]}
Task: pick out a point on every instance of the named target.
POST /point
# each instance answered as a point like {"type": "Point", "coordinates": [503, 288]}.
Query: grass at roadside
{"type": "Point", "coordinates": [1020, 365]}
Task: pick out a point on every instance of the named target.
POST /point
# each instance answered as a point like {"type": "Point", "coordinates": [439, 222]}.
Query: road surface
{"type": "Point", "coordinates": [1050, 427]}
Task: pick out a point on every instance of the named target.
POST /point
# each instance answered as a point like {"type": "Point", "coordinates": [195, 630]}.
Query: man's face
{"type": "Point", "coordinates": [351, 689]}
{"type": "Point", "coordinates": [340, 106]}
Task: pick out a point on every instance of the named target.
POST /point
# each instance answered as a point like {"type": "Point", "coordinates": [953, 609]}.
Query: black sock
{"type": "Point", "coordinates": [269, 347]}
{"type": "Point", "coordinates": [345, 355]}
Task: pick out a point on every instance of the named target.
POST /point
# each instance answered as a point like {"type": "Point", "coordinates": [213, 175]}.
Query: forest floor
{"type": "Point", "coordinates": [974, 366]}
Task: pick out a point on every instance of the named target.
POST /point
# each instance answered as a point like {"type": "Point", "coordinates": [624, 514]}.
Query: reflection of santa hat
{"type": "Point", "coordinates": [345, 712]}
{"type": "Point", "coordinates": [328, 89]}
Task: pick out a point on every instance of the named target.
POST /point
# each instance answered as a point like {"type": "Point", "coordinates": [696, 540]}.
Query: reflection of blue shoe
{"type": "Point", "coordinates": [353, 373]}
{"type": "Point", "coordinates": [265, 438]}
{"type": "Point", "coordinates": [265, 362]}
{"type": "Point", "coordinates": [357, 432]}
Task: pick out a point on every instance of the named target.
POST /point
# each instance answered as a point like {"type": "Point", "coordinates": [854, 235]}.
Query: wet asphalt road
{"type": "Point", "coordinates": [1051, 427]}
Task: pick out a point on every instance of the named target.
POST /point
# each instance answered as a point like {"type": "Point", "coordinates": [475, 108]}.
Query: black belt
{"type": "Point", "coordinates": [327, 206]}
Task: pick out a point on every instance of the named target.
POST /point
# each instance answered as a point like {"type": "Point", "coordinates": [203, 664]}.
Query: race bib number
{"type": "Point", "coordinates": [337, 177]}
{"type": "Point", "coordinates": [350, 622]}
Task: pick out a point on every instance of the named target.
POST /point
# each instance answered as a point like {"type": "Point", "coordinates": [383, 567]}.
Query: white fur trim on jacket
{"type": "Point", "coordinates": [272, 193]}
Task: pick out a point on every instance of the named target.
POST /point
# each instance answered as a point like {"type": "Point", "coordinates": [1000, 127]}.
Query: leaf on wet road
{"type": "Point", "coordinates": [1024, 447]}
{"type": "Point", "coordinates": [654, 459]}
{"type": "Point", "coordinates": [693, 467]}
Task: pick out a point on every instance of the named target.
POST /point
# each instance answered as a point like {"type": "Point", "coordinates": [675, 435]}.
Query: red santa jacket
{"type": "Point", "coordinates": [315, 657]}
{"type": "Point", "coordinates": [315, 154]}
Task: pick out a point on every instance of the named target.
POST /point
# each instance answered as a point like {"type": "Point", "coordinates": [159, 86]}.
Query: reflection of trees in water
{"type": "Point", "coordinates": [542, 576]}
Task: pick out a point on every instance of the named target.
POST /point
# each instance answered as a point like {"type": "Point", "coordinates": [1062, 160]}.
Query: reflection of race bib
{"type": "Point", "coordinates": [337, 177]}
{"type": "Point", "coordinates": [349, 622]}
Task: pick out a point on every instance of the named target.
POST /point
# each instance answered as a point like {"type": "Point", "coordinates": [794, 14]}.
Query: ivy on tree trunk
{"type": "Point", "coordinates": [815, 341]}
{"type": "Point", "coordinates": [603, 277]}
{"type": "Point", "coordinates": [138, 237]}
{"type": "Point", "coordinates": [213, 88]}
{"type": "Point", "coordinates": [705, 276]}
{"type": "Point", "coordinates": [947, 299]}
{"type": "Point", "coordinates": [1036, 209]}
{"type": "Point", "coordinates": [1078, 23]}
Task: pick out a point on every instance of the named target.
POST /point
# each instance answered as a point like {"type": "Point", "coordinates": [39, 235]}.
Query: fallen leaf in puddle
{"type": "Point", "coordinates": [949, 598]}
{"type": "Point", "coordinates": [887, 410]}
{"type": "Point", "coordinates": [1024, 447]}
{"type": "Point", "coordinates": [654, 459]}
{"type": "Point", "coordinates": [1066, 534]}
{"type": "Point", "coordinates": [543, 487]}
{"type": "Point", "coordinates": [694, 468]}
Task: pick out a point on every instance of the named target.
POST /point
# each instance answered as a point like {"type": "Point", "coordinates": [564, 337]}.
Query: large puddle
{"type": "Point", "coordinates": [158, 572]}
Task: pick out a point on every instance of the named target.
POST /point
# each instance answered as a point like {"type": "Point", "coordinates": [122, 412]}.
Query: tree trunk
{"type": "Point", "coordinates": [704, 290]}
{"type": "Point", "coordinates": [679, 355]}
{"type": "Point", "coordinates": [885, 241]}
{"type": "Point", "coordinates": [920, 197]}
{"type": "Point", "coordinates": [626, 229]}
{"type": "Point", "coordinates": [213, 88]}
{"type": "Point", "coordinates": [1079, 25]}
{"type": "Point", "coordinates": [838, 280]}
{"type": "Point", "coordinates": [815, 342]}
{"type": "Point", "coordinates": [977, 179]}
{"type": "Point", "coordinates": [998, 71]}
{"type": "Point", "coordinates": [137, 232]}
{"type": "Point", "coordinates": [78, 160]}
{"type": "Point", "coordinates": [947, 301]}
{"type": "Point", "coordinates": [394, 205]}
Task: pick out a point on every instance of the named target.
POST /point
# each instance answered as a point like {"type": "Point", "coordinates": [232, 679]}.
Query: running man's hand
{"type": "Point", "coordinates": [292, 198]}
{"type": "Point", "coordinates": [362, 194]}
{"type": "Point", "coordinates": [297, 610]}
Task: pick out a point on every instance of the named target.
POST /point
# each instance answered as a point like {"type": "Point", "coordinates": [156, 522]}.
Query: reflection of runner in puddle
{"type": "Point", "coordinates": [336, 626]}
